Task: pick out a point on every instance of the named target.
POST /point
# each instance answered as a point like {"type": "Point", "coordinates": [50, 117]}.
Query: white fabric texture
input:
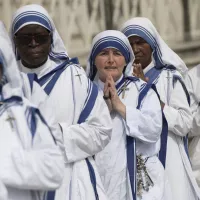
{"type": "Point", "coordinates": [3, 192]}
{"type": "Point", "coordinates": [176, 109]}
{"type": "Point", "coordinates": [144, 125]}
{"type": "Point", "coordinates": [29, 165]}
{"type": "Point", "coordinates": [193, 83]}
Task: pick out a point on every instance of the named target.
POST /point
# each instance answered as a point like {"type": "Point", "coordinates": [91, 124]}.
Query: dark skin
{"type": "Point", "coordinates": [34, 54]}
{"type": "Point", "coordinates": [143, 54]}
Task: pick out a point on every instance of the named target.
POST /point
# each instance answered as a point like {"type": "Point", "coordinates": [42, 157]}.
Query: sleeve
{"type": "Point", "coordinates": [88, 138]}
{"type": "Point", "coordinates": [82, 140]}
{"type": "Point", "coordinates": [194, 104]}
{"type": "Point", "coordinates": [3, 192]}
{"type": "Point", "coordinates": [145, 124]}
{"type": "Point", "coordinates": [33, 92]}
{"type": "Point", "coordinates": [44, 104]}
{"type": "Point", "coordinates": [178, 113]}
{"type": "Point", "coordinates": [46, 109]}
{"type": "Point", "coordinates": [31, 164]}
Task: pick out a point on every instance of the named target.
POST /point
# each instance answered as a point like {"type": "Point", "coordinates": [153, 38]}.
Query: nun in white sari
{"type": "Point", "coordinates": [3, 192]}
{"type": "Point", "coordinates": [32, 91]}
{"type": "Point", "coordinates": [78, 108]}
{"type": "Point", "coordinates": [30, 161]}
{"type": "Point", "coordinates": [165, 69]}
{"type": "Point", "coordinates": [136, 124]}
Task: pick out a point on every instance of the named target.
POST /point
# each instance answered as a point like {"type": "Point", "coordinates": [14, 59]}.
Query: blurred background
{"type": "Point", "coordinates": [78, 21]}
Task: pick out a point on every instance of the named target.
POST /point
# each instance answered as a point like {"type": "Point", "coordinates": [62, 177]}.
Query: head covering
{"type": "Point", "coordinates": [36, 14]}
{"type": "Point", "coordinates": [11, 74]}
{"type": "Point", "coordinates": [163, 56]}
{"type": "Point", "coordinates": [110, 39]}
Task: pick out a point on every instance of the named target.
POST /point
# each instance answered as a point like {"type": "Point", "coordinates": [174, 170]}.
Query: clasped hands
{"type": "Point", "coordinates": [111, 97]}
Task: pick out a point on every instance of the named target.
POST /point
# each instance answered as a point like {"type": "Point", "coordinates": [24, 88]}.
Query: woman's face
{"type": "Point", "coordinates": [142, 51]}
{"type": "Point", "coordinates": [110, 61]}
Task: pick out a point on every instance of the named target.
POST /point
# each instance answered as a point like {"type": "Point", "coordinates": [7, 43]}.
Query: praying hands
{"type": "Point", "coordinates": [112, 99]}
{"type": "Point", "coordinates": [138, 72]}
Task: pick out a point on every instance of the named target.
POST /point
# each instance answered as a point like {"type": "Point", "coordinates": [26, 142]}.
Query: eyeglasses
{"type": "Point", "coordinates": [27, 39]}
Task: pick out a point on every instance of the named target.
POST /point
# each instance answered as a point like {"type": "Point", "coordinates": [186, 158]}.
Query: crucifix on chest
{"type": "Point", "coordinates": [79, 76]}
{"type": "Point", "coordinates": [10, 120]}
{"type": "Point", "coordinates": [124, 89]}
{"type": "Point", "coordinates": [168, 76]}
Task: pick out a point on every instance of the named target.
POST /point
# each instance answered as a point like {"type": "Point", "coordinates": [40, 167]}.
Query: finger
{"type": "Point", "coordinates": [111, 93]}
{"type": "Point", "coordinates": [134, 70]}
{"type": "Point", "coordinates": [140, 69]}
{"type": "Point", "coordinates": [105, 86]}
{"type": "Point", "coordinates": [137, 67]}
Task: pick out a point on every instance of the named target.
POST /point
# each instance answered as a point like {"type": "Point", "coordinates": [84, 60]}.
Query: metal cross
{"type": "Point", "coordinates": [10, 119]}
{"type": "Point", "coordinates": [168, 77]}
{"type": "Point", "coordinates": [124, 89]}
{"type": "Point", "coordinates": [79, 75]}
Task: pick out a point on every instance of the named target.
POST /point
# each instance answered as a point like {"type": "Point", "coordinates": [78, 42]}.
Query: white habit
{"type": "Point", "coordinates": [69, 97]}
{"type": "Point", "coordinates": [143, 124]}
{"type": "Point", "coordinates": [170, 86]}
{"type": "Point", "coordinates": [31, 162]}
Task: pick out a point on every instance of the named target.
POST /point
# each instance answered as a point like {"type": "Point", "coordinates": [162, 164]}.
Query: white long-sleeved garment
{"type": "Point", "coordinates": [193, 83]}
{"type": "Point", "coordinates": [30, 160]}
{"type": "Point", "coordinates": [179, 118]}
{"type": "Point", "coordinates": [3, 192]}
{"type": "Point", "coordinates": [29, 165]}
{"type": "Point", "coordinates": [80, 140]}
{"type": "Point", "coordinates": [144, 125]}
{"type": "Point", "coordinates": [38, 97]}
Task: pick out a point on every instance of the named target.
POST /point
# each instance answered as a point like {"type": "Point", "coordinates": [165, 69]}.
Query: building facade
{"type": "Point", "coordinates": [79, 20]}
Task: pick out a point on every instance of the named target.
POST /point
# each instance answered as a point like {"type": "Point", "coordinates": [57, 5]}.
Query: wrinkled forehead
{"type": "Point", "coordinates": [136, 38]}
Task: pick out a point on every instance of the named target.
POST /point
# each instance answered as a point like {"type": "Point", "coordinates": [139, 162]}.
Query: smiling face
{"type": "Point", "coordinates": [33, 43]}
{"type": "Point", "coordinates": [110, 61]}
{"type": "Point", "coordinates": [142, 51]}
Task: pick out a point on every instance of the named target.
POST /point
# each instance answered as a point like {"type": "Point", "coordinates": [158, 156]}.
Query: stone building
{"type": "Point", "coordinates": [178, 21]}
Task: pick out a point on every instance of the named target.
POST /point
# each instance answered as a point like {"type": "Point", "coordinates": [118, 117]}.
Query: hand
{"type": "Point", "coordinates": [115, 101]}
{"type": "Point", "coordinates": [138, 72]}
{"type": "Point", "coordinates": [107, 96]}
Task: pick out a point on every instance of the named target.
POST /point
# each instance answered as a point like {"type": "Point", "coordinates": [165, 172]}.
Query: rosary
{"type": "Point", "coordinates": [144, 181]}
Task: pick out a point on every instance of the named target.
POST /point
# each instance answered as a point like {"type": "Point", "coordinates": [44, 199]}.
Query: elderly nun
{"type": "Point", "coordinates": [136, 118]}
{"type": "Point", "coordinates": [78, 108]}
{"type": "Point", "coordinates": [156, 63]}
